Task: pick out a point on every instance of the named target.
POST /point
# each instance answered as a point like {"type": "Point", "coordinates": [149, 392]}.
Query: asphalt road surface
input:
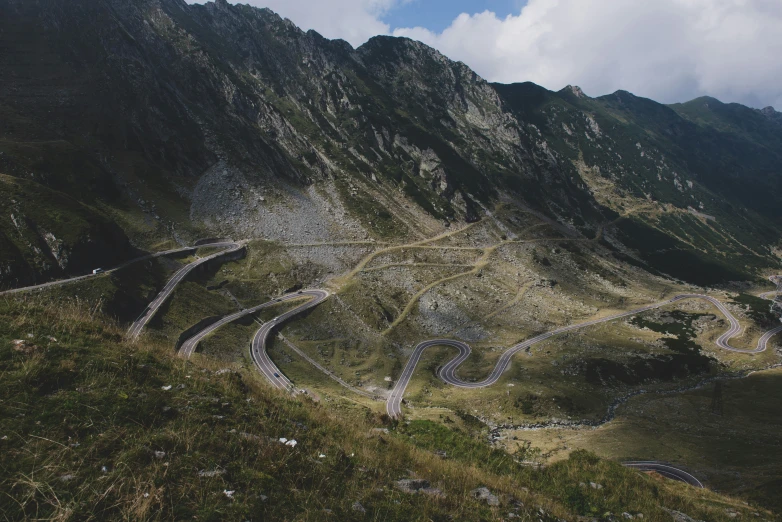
{"type": "Point", "coordinates": [109, 271]}
{"type": "Point", "coordinates": [149, 312]}
{"type": "Point", "coordinates": [666, 470]}
{"type": "Point", "coordinates": [447, 372]}
{"type": "Point", "coordinates": [258, 352]}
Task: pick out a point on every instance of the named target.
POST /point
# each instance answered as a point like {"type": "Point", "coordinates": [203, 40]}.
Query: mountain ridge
{"type": "Point", "coordinates": [413, 200]}
{"type": "Point", "coordinates": [199, 86]}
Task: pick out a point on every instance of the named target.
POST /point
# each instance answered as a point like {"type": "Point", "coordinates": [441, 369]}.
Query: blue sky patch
{"type": "Point", "coordinates": [437, 15]}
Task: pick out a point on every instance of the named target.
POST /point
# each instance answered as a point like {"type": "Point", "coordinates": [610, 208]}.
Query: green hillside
{"type": "Point", "coordinates": [94, 428]}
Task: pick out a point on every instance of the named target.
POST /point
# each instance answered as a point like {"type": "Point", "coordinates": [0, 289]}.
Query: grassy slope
{"type": "Point", "coordinates": [45, 234]}
{"type": "Point", "coordinates": [639, 158]}
{"type": "Point", "coordinates": [737, 448]}
{"type": "Point", "coordinates": [89, 432]}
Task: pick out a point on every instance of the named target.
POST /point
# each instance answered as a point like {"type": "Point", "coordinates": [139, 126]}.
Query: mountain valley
{"type": "Point", "coordinates": [182, 163]}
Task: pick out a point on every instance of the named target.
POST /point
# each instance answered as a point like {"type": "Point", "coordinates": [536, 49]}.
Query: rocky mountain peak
{"type": "Point", "coordinates": [182, 86]}
{"type": "Point", "coordinates": [772, 114]}
{"type": "Point", "coordinates": [400, 51]}
{"type": "Point", "coordinates": [576, 91]}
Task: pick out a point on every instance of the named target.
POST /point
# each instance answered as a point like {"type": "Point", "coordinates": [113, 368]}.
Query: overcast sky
{"type": "Point", "coordinates": [667, 50]}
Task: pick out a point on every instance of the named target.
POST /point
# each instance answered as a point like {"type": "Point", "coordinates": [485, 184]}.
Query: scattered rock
{"type": "Point", "coordinates": [160, 455]}
{"type": "Point", "coordinates": [212, 473]}
{"type": "Point", "coordinates": [485, 494]}
{"type": "Point", "coordinates": [22, 346]}
{"type": "Point", "coordinates": [678, 516]}
{"type": "Point", "coordinates": [595, 485]}
{"type": "Point", "coordinates": [229, 494]}
{"type": "Point", "coordinates": [358, 507]}
{"type": "Point", "coordinates": [67, 478]}
{"type": "Point", "coordinates": [411, 485]}
{"type": "Point", "coordinates": [166, 388]}
{"type": "Point", "coordinates": [432, 492]}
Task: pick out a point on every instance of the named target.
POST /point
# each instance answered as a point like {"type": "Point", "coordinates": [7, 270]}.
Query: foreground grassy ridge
{"type": "Point", "coordinates": [92, 433]}
{"type": "Point", "coordinates": [90, 429]}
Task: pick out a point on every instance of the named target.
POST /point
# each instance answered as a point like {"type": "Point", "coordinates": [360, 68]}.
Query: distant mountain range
{"type": "Point", "coordinates": [125, 123]}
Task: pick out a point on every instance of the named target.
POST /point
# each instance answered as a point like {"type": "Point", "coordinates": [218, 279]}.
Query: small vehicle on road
{"type": "Point", "coordinates": [277, 375]}
{"type": "Point", "coordinates": [97, 271]}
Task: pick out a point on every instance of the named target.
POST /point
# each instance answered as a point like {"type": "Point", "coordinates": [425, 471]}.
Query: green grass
{"type": "Point", "coordinates": [375, 218]}
{"type": "Point", "coordinates": [90, 431]}
{"type": "Point", "coordinates": [123, 294]}
{"type": "Point", "coordinates": [190, 303]}
{"type": "Point", "coordinates": [46, 234]}
{"type": "Point", "coordinates": [88, 401]}
{"type": "Point", "coordinates": [758, 309]}
{"type": "Point", "coordinates": [268, 270]}
{"type": "Point", "coordinates": [732, 445]}
{"type": "Point", "coordinates": [460, 446]}
{"type": "Point", "coordinates": [668, 255]}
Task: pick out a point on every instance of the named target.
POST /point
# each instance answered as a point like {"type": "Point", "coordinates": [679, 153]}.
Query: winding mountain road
{"type": "Point", "coordinates": [447, 372]}
{"type": "Point", "coordinates": [777, 280]}
{"type": "Point", "coordinates": [149, 312]}
{"type": "Point", "coordinates": [147, 257]}
{"type": "Point", "coordinates": [258, 352]}
{"type": "Point", "coordinates": [666, 470]}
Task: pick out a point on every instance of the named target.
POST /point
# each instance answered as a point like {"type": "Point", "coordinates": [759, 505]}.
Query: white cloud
{"type": "Point", "coordinates": [353, 20]}
{"type": "Point", "coordinates": [668, 50]}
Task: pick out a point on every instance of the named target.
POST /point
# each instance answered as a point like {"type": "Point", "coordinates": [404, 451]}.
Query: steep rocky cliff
{"type": "Point", "coordinates": [180, 120]}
